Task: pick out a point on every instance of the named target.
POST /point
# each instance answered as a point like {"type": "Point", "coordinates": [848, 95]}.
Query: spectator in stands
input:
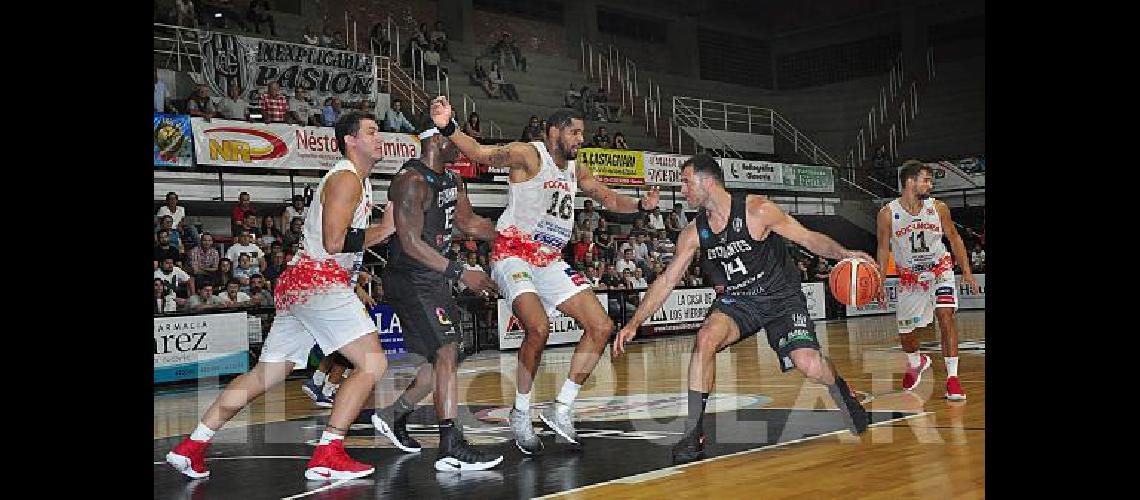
{"type": "Point", "coordinates": [224, 273]}
{"type": "Point", "coordinates": [178, 218]}
{"type": "Point", "coordinates": [638, 227]}
{"type": "Point", "coordinates": [508, 89]}
{"type": "Point", "coordinates": [258, 13]}
{"type": "Point", "coordinates": [301, 109]}
{"type": "Point", "coordinates": [612, 278]}
{"type": "Point", "coordinates": [249, 225]}
{"type": "Point", "coordinates": [259, 292]}
{"type": "Point", "coordinates": [297, 208]}
{"type": "Point", "coordinates": [274, 105]}
{"type": "Point", "coordinates": [470, 263]}
{"type": "Point", "coordinates": [339, 40]}
{"type": "Point", "coordinates": [233, 295]}
{"type": "Point", "coordinates": [601, 139]}
{"type": "Point", "coordinates": [221, 10]}
{"type": "Point", "coordinates": [205, 299]}
{"type": "Point", "coordinates": [245, 245]}
{"type": "Point", "coordinates": [513, 53]}
{"type": "Point", "coordinates": [585, 250]}
{"type": "Point", "coordinates": [655, 221]}
{"type": "Point", "coordinates": [595, 278]}
{"type": "Point", "coordinates": [805, 274]}
{"type": "Point", "coordinates": [295, 234]}
{"type": "Point", "coordinates": [203, 258]}
{"type": "Point", "coordinates": [199, 104]}
{"type": "Point", "coordinates": [276, 265]}
{"type": "Point", "coordinates": [676, 221]}
{"type": "Point", "coordinates": [184, 13]}
{"type": "Point", "coordinates": [234, 106]}
{"type": "Point", "coordinates": [310, 37]}
{"type": "Point", "coordinates": [175, 278]}
{"type": "Point", "coordinates": [606, 246]}
{"type": "Point", "coordinates": [588, 218]}
{"type": "Point", "coordinates": [394, 119]}
{"type": "Point", "coordinates": [479, 78]}
{"type": "Point", "coordinates": [572, 98]}
{"type": "Point", "coordinates": [532, 131]}
{"type": "Point", "coordinates": [439, 37]}
{"type": "Point", "coordinates": [432, 62]}
{"type": "Point", "coordinates": [161, 95]}
{"type": "Point", "coordinates": [163, 298]}
{"type": "Point", "coordinates": [378, 41]}
{"type": "Point", "coordinates": [656, 270]}
{"type": "Point", "coordinates": [619, 141]}
{"type": "Point", "coordinates": [164, 249]}
{"type": "Point", "coordinates": [420, 36]}
{"type": "Point", "coordinates": [978, 259]}
{"type": "Point", "coordinates": [331, 111]}
{"type": "Point", "coordinates": [269, 233]}
{"type": "Point", "coordinates": [822, 270]}
{"type": "Point", "coordinates": [237, 216]}
{"type": "Point", "coordinates": [637, 280]}
{"type": "Point", "coordinates": [627, 261]}
{"type": "Point", "coordinates": [695, 278]}
{"type": "Point", "coordinates": [664, 247]}
{"type": "Point", "coordinates": [471, 126]}
{"type": "Point", "coordinates": [880, 158]}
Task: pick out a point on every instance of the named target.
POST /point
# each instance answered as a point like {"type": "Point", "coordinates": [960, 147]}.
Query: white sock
{"type": "Point", "coordinates": [328, 437]}
{"type": "Point", "coordinates": [952, 366]}
{"type": "Point", "coordinates": [202, 433]}
{"type": "Point", "coordinates": [319, 378]}
{"type": "Point", "coordinates": [522, 401]}
{"type": "Point", "coordinates": [568, 393]}
{"type": "Point", "coordinates": [913, 359]}
{"type": "Point", "coordinates": [330, 388]}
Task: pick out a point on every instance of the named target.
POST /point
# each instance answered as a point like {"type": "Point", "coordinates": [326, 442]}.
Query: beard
{"type": "Point", "coordinates": [923, 196]}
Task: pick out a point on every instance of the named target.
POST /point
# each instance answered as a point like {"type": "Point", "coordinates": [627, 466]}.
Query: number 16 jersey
{"type": "Point", "coordinates": [539, 218]}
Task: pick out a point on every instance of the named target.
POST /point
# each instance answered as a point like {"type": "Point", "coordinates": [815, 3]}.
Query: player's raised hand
{"type": "Point", "coordinates": [441, 112]}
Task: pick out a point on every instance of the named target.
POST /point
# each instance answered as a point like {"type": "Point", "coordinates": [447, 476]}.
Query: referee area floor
{"type": "Point", "coordinates": [770, 435]}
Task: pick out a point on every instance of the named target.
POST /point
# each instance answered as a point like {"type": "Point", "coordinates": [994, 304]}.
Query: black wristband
{"type": "Point", "coordinates": [353, 240]}
{"type": "Point", "coordinates": [448, 130]}
{"type": "Point", "coordinates": [454, 270]}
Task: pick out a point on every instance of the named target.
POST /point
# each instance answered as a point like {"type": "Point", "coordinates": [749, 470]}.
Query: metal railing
{"type": "Point", "coordinates": [178, 43]}
{"type": "Point", "coordinates": [606, 64]}
{"type": "Point", "coordinates": [494, 131]}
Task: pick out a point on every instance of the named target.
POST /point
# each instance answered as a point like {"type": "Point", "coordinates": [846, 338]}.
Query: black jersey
{"type": "Point", "coordinates": [439, 216]}
{"type": "Point", "coordinates": [741, 264]}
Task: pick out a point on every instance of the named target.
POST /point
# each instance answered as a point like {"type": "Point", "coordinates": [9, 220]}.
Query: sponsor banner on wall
{"type": "Point", "coordinates": [207, 345]}
{"type": "Point", "coordinates": [616, 167]}
{"type": "Point", "coordinates": [173, 141]}
{"type": "Point", "coordinates": [966, 300]}
{"type": "Point", "coordinates": [753, 174]}
{"type": "Point", "coordinates": [254, 63]}
{"type": "Point", "coordinates": [816, 300]}
{"type": "Point", "coordinates": [663, 169]}
{"type": "Point", "coordinates": [464, 167]}
{"type": "Point", "coordinates": [563, 329]}
{"type": "Point", "coordinates": [388, 324]}
{"type": "Point", "coordinates": [230, 143]}
{"type": "Point", "coordinates": [685, 309]}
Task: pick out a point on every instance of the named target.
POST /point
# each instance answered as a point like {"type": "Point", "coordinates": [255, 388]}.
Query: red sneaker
{"type": "Point", "coordinates": [914, 374]}
{"type": "Point", "coordinates": [189, 458]}
{"type": "Point", "coordinates": [954, 390]}
{"type": "Point", "coordinates": [331, 462]}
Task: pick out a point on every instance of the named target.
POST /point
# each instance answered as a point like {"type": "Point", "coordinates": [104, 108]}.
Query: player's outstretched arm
{"type": "Point", "coordinates": [513, 155]}
{"type": "Point", "coordinates": [603, 194]}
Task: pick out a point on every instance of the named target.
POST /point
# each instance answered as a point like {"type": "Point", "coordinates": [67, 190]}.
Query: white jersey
{"type": "Point", "coordinates": [916, 240]}
{"type": "Point", "coordinates": [540, 211]}
{"type": "Point", "coordinates": [312, 243]}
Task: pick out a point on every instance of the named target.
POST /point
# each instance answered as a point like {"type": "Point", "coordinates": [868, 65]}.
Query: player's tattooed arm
{"type": "Point", "coordinates": [470, 223]}
{"type": "Point", "coordinates": [409, 192]}
{"type": "Point", "coordinates": [611, 199]}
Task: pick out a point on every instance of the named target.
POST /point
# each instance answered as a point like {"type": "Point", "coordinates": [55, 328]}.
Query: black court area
{"type": "Point", "coordinates": [619, 440]}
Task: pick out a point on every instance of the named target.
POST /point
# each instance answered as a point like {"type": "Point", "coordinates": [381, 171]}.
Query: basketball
{"type": "Point", "coordinates": [854, 281]}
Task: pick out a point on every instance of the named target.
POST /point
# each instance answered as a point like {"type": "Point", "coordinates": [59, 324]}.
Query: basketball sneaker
{"type": "Point", "coordinates": [456, 454]}
{"type": "Point", "coordinates": [559, 416]}
{"type": "Point", "coordinates": [954, 390]}
{"type": "Point", "coordinates": [690, 448]}
{"type": "Point", "coordinates": [395, 429]}
{"type": "Point", "coordinates": [330, 462]}
{"type": "Point", "coordinates": [189, 458]}
{"type": "Point", "coordinates": [311, 389]}
{"type": "Point", "coordinates": [853, 413]}
{"type": "Point", "coordinates": [525, 438]}
{"type": "Point", "coordinates": [914, 374]}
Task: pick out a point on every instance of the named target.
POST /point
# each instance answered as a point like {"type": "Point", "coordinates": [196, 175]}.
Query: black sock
{"type": "Point", "coordinates": [697, 401]}
{"type": "Point", "coordinates": [367, 413]}
{"type": "Point", "coordinates": [446, 429]}
{"type": "Point", "coordinates": [400, 408]}
{"type": "Point", "coordinates": [841, 386]}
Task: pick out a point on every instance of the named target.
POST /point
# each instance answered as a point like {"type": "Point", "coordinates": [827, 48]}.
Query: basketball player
{"type": "Point", "coordinates": [316, 304]}
{"type": "Point", "coordinates": [428, 200]}
{"type": "Point", "coordinates": [912, 226]}
{"type": "Point", "coordinates": [526, 261]}
{"type": "Point", "coordinates": [741, 240]}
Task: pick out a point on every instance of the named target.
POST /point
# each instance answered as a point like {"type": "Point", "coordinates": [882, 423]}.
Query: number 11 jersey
{"type": "Point", "coordinates": [916, 240]}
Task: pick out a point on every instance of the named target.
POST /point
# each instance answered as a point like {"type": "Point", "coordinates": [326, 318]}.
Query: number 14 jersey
{"type": "Point", "coordinates": [539, 218]}
{"type": "Point", "coordinates": [742, 265]}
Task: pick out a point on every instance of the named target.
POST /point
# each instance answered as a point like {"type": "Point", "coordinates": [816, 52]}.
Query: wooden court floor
{"type": "Point", "coordinates": [939, 452]}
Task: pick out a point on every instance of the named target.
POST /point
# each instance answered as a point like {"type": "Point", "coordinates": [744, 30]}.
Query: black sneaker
{"type": "Point", "coordinates": [456, 454]}
{"type": "Point", "coordinates": [690, 448]}
{"type": "Point", "coordinates": [395, 429]}
{"type": "Point", "coordinates": [854, 415]}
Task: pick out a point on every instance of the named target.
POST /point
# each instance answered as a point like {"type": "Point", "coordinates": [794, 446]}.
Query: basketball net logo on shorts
{"type": "Point", "coordinates": [737, 224]}
{"type": "Point", "coordinates": [799, 320]}
{"type": "Point", "coordinates": [441, 314]}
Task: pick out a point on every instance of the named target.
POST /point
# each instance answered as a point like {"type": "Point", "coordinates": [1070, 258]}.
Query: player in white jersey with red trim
{"type": "Point", "coordinates": [912, 226]}
{"type": "Point", "coordinates": [527, 260]}
{"type": "Point", "coordinates": [316, 304]}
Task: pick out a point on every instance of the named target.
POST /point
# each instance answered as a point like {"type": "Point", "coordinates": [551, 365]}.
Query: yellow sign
{"type": "Point", "coordinates": [616, 167]}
